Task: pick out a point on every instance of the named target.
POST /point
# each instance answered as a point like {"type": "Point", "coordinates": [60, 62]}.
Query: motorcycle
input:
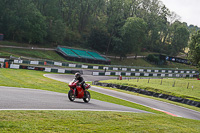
{"type": "Point", "coordinates": [76, 91]}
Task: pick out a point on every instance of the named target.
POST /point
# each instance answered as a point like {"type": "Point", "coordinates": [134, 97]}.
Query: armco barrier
{"type": "Point", "coordinates": [150, 93]}
{"type": "Point", "coordinates": [111, 68]}
{"type": "Point", "coordinates": [46, 69]}
{"type": "Point", "coordinates": [144, 74]}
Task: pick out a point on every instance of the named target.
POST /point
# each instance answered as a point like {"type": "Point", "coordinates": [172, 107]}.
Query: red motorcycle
{"type": "Point", "coordinates": [76, 91]}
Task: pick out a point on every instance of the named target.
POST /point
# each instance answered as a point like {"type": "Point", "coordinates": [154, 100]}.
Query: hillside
{"type": "Point", "coordinates": [112, 26]}
{"type": "Point", "coordinates": [52, 55]}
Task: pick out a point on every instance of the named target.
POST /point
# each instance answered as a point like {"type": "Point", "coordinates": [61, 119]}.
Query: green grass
{"type": "Point", "coordinates": [131, 62]}
{"type": "Point", "coordinates": [30, 79]}
{"type": "Point", "coordinates": [154, 85]}
{"type": "Point", "coordinates": [142, 62]}
{"type": "Point", "coordinates": [12, 43]}
{"type": "Point", "coordinates": [42, 54]}
{"type": "Point", "coordinates": [80, 121]}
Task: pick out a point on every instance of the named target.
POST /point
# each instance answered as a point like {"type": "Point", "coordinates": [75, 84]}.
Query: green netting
{"type": "Point", "coordinates": [82, 53]}
{"type": "Point", "coordinates": [68, 52]}
{"type": "Point", "coordinates": [96, 56]}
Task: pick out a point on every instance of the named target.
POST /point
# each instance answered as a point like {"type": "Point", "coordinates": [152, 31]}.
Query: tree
{"type": "Point", "coordinates": [72, 21]}
{"type": "Point", "coordinates": [180, 38]}
{"type": "Point", "coordinates": [194, 53]}
{"type": "Point", "coordinates": [98, 39]}
{"type": "Point", "coordinates": [115, 19]}
{"type": "Point", "coordinates": [21, 21]}
{"type": "Point", "coordinates": [57, 31]}
{"type": "Point", "coordinates": [133, 34]}
{"type": "Point", "coordinates": [34, 26]}
{"type": "Point", "coordinates": [118, 47]}
{"type": "Point", "coordinates": [150, 12]}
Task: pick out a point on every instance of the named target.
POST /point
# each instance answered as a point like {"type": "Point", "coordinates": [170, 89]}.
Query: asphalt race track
{"type": "Point", "coordinates": [154, 104]}
{"type": "Point", "coordinates": [12, 98]}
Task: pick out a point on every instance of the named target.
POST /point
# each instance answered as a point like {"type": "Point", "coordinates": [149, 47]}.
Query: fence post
{"type": "Point", "coordinates": [188, 85]}
{"type": "Point", "coordinates": [174, 84]}
{"type": "Point", "coordinates": [161, 82]}
{"type": "Point", "coordinates": [148, 80]}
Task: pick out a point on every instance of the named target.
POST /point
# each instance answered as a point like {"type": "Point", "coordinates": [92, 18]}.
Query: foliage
{"type": "Point", "coordinates": [118, 48]}
{"type": "Point", "coordinates": [133, 34]}
{"type": "Point", "coordinates": [153, 58]}
{"type": "Point", "coordinates": [180, 38]}
{"type": "Point", "coordinates": [98, 39]}
{"type": "Point", "coordinates": [194, 46]}
{"type": "Point", "coordinates": [70, 22]}
{"type": "Point", "coordinates": [57, 31]}
{"type": "Point", "coordinates": [22, 21]}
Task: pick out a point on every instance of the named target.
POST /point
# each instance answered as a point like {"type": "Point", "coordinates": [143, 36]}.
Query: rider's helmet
{"type": "Point", "coordinates": [77, 75]}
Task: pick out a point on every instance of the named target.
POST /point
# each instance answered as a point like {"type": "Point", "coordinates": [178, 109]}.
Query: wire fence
{"type": "Point", "coordinates": [182, 83]}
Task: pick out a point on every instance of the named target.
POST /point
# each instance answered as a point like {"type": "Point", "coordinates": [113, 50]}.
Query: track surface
{"type": "Point", "coordinates": [154, 104]}
{"type": "Point", "coordinates": [12, 98]}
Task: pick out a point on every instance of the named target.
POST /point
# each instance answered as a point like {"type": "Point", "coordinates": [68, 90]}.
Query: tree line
{"type": "Point", "coordinates": [120, 27]}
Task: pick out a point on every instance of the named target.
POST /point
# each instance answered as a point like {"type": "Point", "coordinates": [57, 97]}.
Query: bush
{"type": "Point", "coordinates": [153, 58]}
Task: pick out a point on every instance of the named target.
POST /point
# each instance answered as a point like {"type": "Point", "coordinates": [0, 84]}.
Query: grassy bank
{"type": "Point", "coordinates": [12, 43]}
{"type": "Point", "coordinates": [78, 121]}
{"type": "Point", "coordinates": [185, 88]}
{"type": "Point", "coordinates": [52, 55]}
{"type": "Point", "coordinates": [42, 54]}
{"type": "Point", "coordinates": [142, 62]}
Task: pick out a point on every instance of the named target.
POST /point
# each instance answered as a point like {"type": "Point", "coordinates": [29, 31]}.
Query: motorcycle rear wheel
{"type": "Point", "coordinates": [71, 95]}
{"type": "Point", "coordinates": [87, 98]}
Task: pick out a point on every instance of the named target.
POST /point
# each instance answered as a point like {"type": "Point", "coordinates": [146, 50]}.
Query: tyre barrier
{"type": "Point", "coordinates": [150, 93]}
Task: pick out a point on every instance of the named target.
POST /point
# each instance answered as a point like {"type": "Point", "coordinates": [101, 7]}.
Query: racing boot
{"type": "Point", "coordinates": [85, 95]}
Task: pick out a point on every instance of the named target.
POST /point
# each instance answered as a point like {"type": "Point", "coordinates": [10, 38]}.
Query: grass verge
{"type": "Point", "coordinates": [159, 99]}
{"type": "Point", "coordinates": [80, 121]}
{"type": "Point", "coordinates": [185, 88]}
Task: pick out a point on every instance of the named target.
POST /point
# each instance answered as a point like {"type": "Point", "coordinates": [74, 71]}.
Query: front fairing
{"type": "Point", "coordinates": [87, 86]}
{"type": "Point", "coordinates": [73, 83]}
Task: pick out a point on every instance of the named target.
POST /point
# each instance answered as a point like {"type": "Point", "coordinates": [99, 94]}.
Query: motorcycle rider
{"type": "Point", "coordinates": [80, 81]}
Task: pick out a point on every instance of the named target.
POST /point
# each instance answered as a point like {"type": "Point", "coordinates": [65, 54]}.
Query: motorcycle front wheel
{"type": "Point", "coordinates": [87, 98]}
{"type": "Point", "coordinates": [71, 95]}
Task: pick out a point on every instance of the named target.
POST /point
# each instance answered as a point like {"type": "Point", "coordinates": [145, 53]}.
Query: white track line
{"type": "Point", "coordinates": [65, 110]}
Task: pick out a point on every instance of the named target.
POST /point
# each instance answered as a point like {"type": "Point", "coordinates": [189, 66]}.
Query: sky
{"type": "Point", "coordinates": [188, 10]}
